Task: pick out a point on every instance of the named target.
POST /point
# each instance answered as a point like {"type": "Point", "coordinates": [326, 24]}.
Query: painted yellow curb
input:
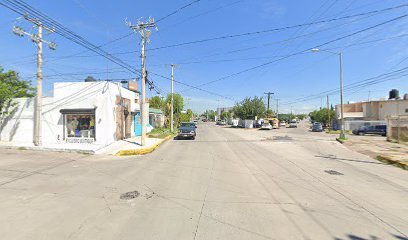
{"type": "Point", "coordinates": [143, 151]}
{"type": "Point", "coordinates": [389, 160]}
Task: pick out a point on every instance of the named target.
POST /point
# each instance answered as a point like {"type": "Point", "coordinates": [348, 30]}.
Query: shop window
{"type": "Point", "coordinates": [80, 125]}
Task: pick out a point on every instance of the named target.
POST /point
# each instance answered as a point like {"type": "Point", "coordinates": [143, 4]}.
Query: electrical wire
{"type": "Point", "coordinates": [23, 8]}
{"type": "Point", "coordinates": [306, 50]}
{"type": "Point", "coordinates": [278, 29]}
{"type": "Point", "coordinates": [178, 10]}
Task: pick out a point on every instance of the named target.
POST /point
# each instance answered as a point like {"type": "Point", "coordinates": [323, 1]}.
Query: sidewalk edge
{"type": "Point", "coordinates": [130, 152]}
{"type": "Point", "coordinates": [389, 160]}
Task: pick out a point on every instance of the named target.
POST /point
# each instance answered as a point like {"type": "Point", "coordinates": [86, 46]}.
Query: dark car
{"type": "Point", "coordinates": [317, 127]}
{"type": "Point", "coordinates": [377, 129]}
{"type": "Point", "coordinates": [187, 130]}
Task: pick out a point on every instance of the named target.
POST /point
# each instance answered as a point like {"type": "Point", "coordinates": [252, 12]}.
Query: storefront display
{"type": "Point", "coordinates": [79, 126]}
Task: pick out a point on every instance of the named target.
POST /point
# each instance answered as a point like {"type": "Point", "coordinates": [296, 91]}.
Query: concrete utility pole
{"type": "Point", "coordinates": [172, 99]}
{"type": "Point", "coordinates": [269, 98]}
{"type": "Point", "coordinates": [277, 108]}
{"type": "Point", "coordinates": [340, 55]}
{"type": "Point", "coordinates": [342, 134]}
{"type": "Point", "coordinates": [142, 29]}
{"type": "Point", "coordinates": [328, 111]}
{"type": "Point", "coordinates": [38, 39]}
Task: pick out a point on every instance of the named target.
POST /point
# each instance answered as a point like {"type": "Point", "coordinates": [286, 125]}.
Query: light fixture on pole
{"type": "Point", "coordinates": [342, 134]}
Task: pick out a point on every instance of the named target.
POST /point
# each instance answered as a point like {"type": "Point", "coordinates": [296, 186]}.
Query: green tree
{"type": "Point", "coordinates": [178, 104]}
{"type": "Point", "coordinates": [210, 114]}
{"type": "Point", "coordinates": [249, 108]}
{"type": "Point", "coordinates": [177, 108]}
{"type": "Point", "coordinates": [322, 115]}
{"type": "Point", "coordinates": [11, 87]}
{"type": "Point", "coordinates": [156, 102]}
{"type": "Point", "coordinates": [186, 117]}
{"type": "Point", "coordinates": [225, 115]}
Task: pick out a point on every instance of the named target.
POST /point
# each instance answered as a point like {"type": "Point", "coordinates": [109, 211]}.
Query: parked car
{"type": "Point", "coordinates": [377, 129]}
{"type": "Point", "coordinates": [223, 122]}
{"type": "Point", "coordinates": [317, 127]}
{"type": "Point", "coordinates": [293, 124]}
{"type": "Point", "coordinates": [257, 123]}
{"type": "Point", "coordinates": [266, 126]}
{"type": "Point", "coordinates": [282, 124]}
{"type": "Point", "coordinates": [187, 130]}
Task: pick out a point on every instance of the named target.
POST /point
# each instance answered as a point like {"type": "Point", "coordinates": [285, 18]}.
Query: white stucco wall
{"type": "Point", "coordinates": [100, 96]}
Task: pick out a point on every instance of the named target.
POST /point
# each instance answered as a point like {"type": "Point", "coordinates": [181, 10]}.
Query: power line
{"type": "Point", "coordinates": [278, 29]}
{"type": "Point", "coordinates": [23, 8]}
{"type": "Point", "coordinates": [251, 33]}
{"type": "Point", "coordinates": [304, 51]}
{"type": "Point", "coordinates": [358, 84]}
{"type": "Point", "coordinates": [201, 14]}
{"type": "Point", "coordinates": [194, 87]}
{"type": "Point", "coordinates": [178, 10]}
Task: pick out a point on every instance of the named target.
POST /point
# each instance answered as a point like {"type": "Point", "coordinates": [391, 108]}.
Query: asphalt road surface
{"type": "Point", "coordinates": [227, 184]}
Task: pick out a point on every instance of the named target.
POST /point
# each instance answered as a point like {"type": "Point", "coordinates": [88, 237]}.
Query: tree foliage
{"type": "Point", "coordinates": [226, 115]}
{"type": "Point", "coordinates": [210, 114]}
{"type": "Point", "coordinates": [322, 115]}
{"type": "Point", "coordinates": [249, 108]}
{"type": "Point", "coordinates": [186, 117]}
{"type": "Point", "coordinates": [178, 104]}
{"type": "Point", "coordinates": [156, 102]}
{"type": "Point", "coordinates": [11, 87]}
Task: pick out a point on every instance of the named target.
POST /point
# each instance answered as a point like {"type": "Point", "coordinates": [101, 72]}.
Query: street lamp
{"type": "Point", "coordinates": [342, 135]}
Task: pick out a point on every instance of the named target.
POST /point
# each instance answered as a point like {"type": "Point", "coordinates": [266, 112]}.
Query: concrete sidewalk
{"type": "Point", "coordinates": [131, 146]}
{"type": "Point", "coordinates": [379, 148]}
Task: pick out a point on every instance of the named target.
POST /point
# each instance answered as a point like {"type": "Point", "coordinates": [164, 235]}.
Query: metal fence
{"type": "Point", "coordinates": [397, 128]}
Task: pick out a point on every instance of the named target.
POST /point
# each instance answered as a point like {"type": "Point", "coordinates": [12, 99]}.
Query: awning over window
{"type": "Point", "coordinates": [78, 111]}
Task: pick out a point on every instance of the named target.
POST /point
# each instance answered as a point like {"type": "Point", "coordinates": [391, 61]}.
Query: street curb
{"type": "Point", "coordinates": [391, 161]}
{"type": "Point", "coordinates": [47, 149]}
{"type": "Point", "coordinates": [341, 140]}
{"type": "Point", "coordinates": [148, 150]}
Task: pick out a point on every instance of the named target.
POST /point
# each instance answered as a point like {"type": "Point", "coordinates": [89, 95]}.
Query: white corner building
{"type": "Point", "coordinates": [80, 115]}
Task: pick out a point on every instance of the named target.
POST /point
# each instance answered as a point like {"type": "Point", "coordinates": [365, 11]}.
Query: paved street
{"type": "Point", "coordinates": [227, 184]}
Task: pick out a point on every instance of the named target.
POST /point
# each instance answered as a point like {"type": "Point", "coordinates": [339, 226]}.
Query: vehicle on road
{"type": "Point", "coordinates": [187, 130]}
{"type": "Point", "coordinates": [293, 124]}
{"type": "Point", "coordinates": [266, 126]}
{"type": "Point", "coordinates": [222, 123]}
{"type": "Point", "coordinates": [377, 129]}
{"type": "Point", "coordinates": [282, 124]}
{"type": "Point", "coordinates": [317, 127]}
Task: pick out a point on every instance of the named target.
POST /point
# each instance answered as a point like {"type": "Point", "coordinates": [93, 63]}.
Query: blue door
{"type": "Point", "coordinates": [138, 125]}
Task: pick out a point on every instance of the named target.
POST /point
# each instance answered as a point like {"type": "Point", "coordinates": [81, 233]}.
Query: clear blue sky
{"type": "Point", "coordinates": [366, 55]}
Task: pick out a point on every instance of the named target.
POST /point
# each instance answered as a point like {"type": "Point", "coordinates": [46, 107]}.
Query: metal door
{"type": "Point", "coordinates": [138, 125]}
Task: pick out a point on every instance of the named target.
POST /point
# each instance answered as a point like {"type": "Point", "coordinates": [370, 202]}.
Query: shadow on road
{"type": "Point", "coordinates": [350, 160]}
{"type": "Point", "coordinates": [354, 237]}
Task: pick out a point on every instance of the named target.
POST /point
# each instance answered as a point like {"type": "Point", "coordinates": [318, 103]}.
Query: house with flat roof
{"type": "Point", "coordinates": [80, 115]}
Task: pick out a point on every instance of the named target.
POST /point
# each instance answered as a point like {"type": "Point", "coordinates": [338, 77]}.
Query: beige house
{"type": "Point", "coordinates": [377, 110]}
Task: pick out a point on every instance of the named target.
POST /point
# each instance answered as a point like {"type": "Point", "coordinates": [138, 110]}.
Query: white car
{"type": "Point", "coordinates": [266, 126]}
{"type": "Point", "coordinates": [282, 124]}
